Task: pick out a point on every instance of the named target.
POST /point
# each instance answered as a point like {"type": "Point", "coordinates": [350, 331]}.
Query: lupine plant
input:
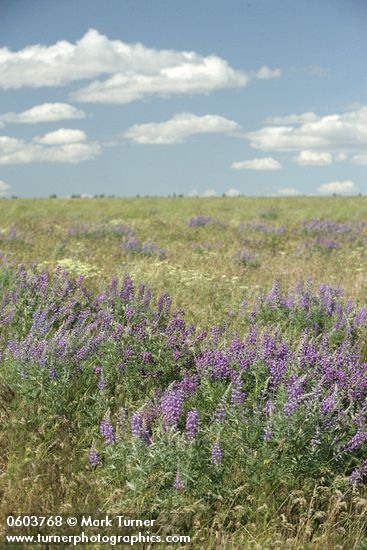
{"type": "Point", "coordinates": [148, 248]}
{"type": "Point", "coordinates": [169, 410]}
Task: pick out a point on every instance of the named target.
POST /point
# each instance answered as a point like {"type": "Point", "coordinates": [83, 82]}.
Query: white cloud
{"type": "Point", "coordinates": [266, 163]}
{"type": "Point", "coordinates": [193, 193]}
{"type": "Point", "coordinates": [316, 70]}
{"type": "Point", "coordinates": [18, 151]}
{"type": "Point", "coordinates": [340, 157]}
{"type": "Point", "coordinates": [360, 159]}
{"type": "Point", "coordinates": [179, 128]}
{"type": "Point", "coordinates": [232, 193]}
{"type": "Point", "coordinates": [4, 188]}
{"type": "Point", "coordinates": [313, 158]}
{"type": "Point", "coordinates": [62, 137]}
{"type": "Point", "coordinates": [337, 187]}
{"type": "Point", "coordinates": [192, 74]}
{"type": "Point", "coordinates": [289, 192]}
{"type": "Point", "coordinates": [47, 112]}
{"type": "Point", "coordinates": [133, 70]}
{"type": "Point", "coordinates": [292, 119]}
{"type": "Point", "coordinates": [209, 193]}
{"type": "Point", "coordinates": [196, 75]}
{"type": "Point", "coordinates": [342, 133]}
{"type": "Point", "coordinates": [265, 73]}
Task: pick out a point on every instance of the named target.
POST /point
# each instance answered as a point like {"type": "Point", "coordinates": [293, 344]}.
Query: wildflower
{"type": "Point", "coordinates": [137, 425]}
{"type": "Point", "coordinates": [171, 407]}
{"type": "Point", "coordinates": [216, 454]}
{"type": "Point", "coordinates": [220, 412]}
{"type": "Point", "coordinates": [328, 404]}
{"type": "Point", "coordinates": [94, 457]}
{"type": "Point", "coordinates": [358, 474]}
{"type": "Point", "coordinates": [268, 434]}
{"type": "Point", "coordinates": [179, 484]}
{"type": "Point", "coordinates": [192, 424]}
{"type": "Point", "coordinates": [356, 441]}
{"type": "Point", "coordinates": [102, 384]}
{"type": "Point", "coordinates": [107, 431]}
{"type": "Point", "coordinates": [199, 221]}
{"type": "Point", "coordinates": [146, 357]}
{"type": "Point", "coordinates": [52, 373]}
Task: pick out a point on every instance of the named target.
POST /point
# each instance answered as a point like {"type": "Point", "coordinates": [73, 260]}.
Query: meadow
{"type": "Point", "coordinates": [203, 360]}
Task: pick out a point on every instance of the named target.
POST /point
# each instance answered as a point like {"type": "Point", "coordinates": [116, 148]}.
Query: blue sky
{"type": "Point", "coordinates": [127, 97]}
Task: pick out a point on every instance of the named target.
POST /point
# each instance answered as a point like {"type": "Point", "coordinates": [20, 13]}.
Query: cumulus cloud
{"type": "Point", "coordinates": [313, 158]}
{"type": "Point", "coordinates": [337, 187]}
{"type": "Point", "coordinates": [292, 119]}
{"type": "Point", "coordinates": [47, 112]}
{"type": "Point", "coordinates": [233, 192]}
{"type": "Point", "coordinates": [179, 128]}
{"type": "Point", "coordinates": [288, 192]}
{"type": "Point", "coordinates": [132, 71]}
{"type": "Point", "coordinates": [18, 151]}
{"type": "Point", "coordinates": [4, 188]}
{"type": "Point", "coordinates": [209, 193]}
{"type": "Point", "coordinates": [338, 133]}
{"type": "Point", "coordinates": [62, 136]}
{"type": "Point", "coordinates": [266, 163]}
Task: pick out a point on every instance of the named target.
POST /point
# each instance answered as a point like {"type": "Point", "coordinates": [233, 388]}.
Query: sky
{"type": "Point", "coordinates": [194, 97]}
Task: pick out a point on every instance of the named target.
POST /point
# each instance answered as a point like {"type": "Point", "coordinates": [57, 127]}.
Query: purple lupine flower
{"type": "Point", "coordinates": [217, 453]}
{"type": "Point", "coordinates": [176, 354]}
{"type": "Point", "coordinates": [94, 457]}
{"type": "Point", "coordinates": [97, 370]}
{"type": "Point", "coordinates": [123, 415]}
{"type": "Point", "coordinates": [356, 441]}
{"type": "Point", "coordinates": [113, 285]}
{"type": "Point", "coordinates": [107, 431]}
{"type": "Point", "coordinates": [237, 396]}
{"type": "Point", "coordinates": [52, 373]}
{"type": "Point", "coordinates": [150, 248]}
{"type": "Point", "coordinates": [147, 357]}
{"type": "Point", "coordinates": [245, 256]}
{"type": "Point", "coordinates": [102, 384]}
{"type": "Point", "coordinates": [128, 353]}
{"type": "Point", "coordinates": [199, 221]}
{"type": "Point", "coordinates": [188, 385]}
{"type": "Point", "coordinates": [179, 484]}
{"type": "Point", "coordinates": [127, 292]}
{"type": "Point", "coordinates": [295, 392]}
{"type": "Point", "coordinates": [328, 404]}
{"type": "Point", "coordinates": [216, 331]}
{"type": "Point", "coordinates": [192, 424]}
{"type": "Point", "coordinates": [277, 370]}
{"type": "Point", "coordinates": [267, 434]}
{"type": "Point", "coordinates": [360, 317]}
{"type": "Point", "coordinates": [171, 407]}
{"type": "Point", "coordinates": [269, 407]}
{"type": "Point", "coordinates": [164, 304]}
{"type": "Point", "coordinates": [142, 420]}
{"type": "Point", "coordinates": [220, 412]}
{"type": "Point", "coordinates": [358, 474]}
{"type": "Point", "coordinates": [132, 244]}
{"type": "Point", "coordinates": [118, 332]}
{"type": "Point", "coordinates": [138, 426]}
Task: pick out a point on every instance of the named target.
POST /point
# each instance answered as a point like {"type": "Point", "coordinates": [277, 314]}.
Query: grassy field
{"type": "Point", "coordinates": [241, 482]}
{"type": "Point", "coordinates": [199, 260]}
